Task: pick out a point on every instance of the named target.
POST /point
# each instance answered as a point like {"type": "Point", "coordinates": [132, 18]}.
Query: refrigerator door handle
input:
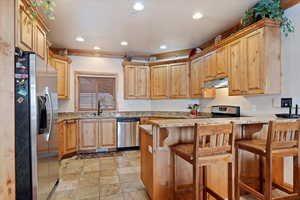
{"type": "Point", "coordinates": [49, 99]}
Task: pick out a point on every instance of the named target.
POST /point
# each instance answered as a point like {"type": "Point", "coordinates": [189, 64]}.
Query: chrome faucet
{"type": "Point", "coordinates": [99, 110]}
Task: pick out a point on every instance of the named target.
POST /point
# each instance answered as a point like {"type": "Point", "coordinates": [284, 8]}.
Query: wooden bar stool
{"type": "Point", "coordinates": [213, 144]}
{"type": "Point", "coordinates": [282, 140]}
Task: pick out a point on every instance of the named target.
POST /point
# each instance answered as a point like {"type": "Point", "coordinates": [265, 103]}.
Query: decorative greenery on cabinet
{"type": "Point", "coordinates": [46, 6]}
{"type": "Point", "coordinates": [268, 9]}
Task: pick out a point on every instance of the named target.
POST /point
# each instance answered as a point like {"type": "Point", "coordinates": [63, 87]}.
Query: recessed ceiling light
{"type": "Point", "coordinates": [138, 6]}
{"type": "Point", "coordinates": [197, 15]}
{"type": "Point", "coordinates": [124, 43]}
{"type": "Point", "coordinates": [163, 46]}
{"type": "Point", "coordinates": [97, 48]}
{"type": "Point", "coordinates": [80, 39]}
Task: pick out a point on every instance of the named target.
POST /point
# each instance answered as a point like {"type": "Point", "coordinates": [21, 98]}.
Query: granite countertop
{"type": "Point", "coordinates": [109, 115]}
{"type": "Point", "coordinates": [239, 120]}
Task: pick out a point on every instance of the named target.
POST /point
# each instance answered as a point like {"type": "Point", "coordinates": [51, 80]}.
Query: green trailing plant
{"type": "Point", "coordinates": [268, 9]}
{"type": "Point", "coordinates": [46, 6]}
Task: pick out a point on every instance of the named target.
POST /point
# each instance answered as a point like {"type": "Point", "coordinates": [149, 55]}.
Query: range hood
{"type": "Point", "coordinates": [219, 83]}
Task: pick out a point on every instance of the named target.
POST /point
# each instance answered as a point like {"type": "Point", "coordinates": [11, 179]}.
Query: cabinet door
{"type": "Point", "coordinates": [196, 82]}
{"type": "Point", "coordinates": [211, 66]}
{"type": "Point", "coordinates": [237, 77]}
{"type": "Point", "coordinates": [142, 82]}
{"type": "Point", "coordinates": [130, 82]}
{"type": "Point", "coordinates": [159, 82]}
{"type": "Point", "coordinates": [107, 134]}
{"type": "Point", "coordinates": [26, 30]}
{"type": "Point", "coordinates": [254, 63]}
{"type": "Point", "coordinates": [222, 62]}
{"type": "Point", "coordinates": [40, 42]}
{"type": "Point", "coordinates": [179, 81]}
{"type": "Point", "coordinates": [62, 68]}
{"type": "Point", "coordinates": [70, 137]}
{"type": "Point", "coordinates": [88, 135]}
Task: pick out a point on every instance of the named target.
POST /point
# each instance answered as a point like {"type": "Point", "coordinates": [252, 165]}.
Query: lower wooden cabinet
{"type": "Point", "coordinates": [107, 134]}
{"type": "Point", "coordinates": [88, 134]}
{"type": "Point", "coordinates": [97, 134]}
{"type": "Point", "coordinates": [68, 133]}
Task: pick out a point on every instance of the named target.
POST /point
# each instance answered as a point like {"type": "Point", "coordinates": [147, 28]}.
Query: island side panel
{"type": "Point", "coordinates": [217, 175]}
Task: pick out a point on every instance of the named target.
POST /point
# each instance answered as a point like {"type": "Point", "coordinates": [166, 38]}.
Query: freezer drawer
{"type": "Point", "coordinates": [128, 134]}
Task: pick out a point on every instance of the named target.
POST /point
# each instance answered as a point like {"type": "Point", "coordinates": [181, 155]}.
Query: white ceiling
{"type": "Point", "coordinates": [105, 23]}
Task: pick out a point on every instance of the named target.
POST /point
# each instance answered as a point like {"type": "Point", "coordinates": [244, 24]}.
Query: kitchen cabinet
{"type": "Point", "coordinates": [222, 62]}
{"type": "Point", "coordinates": [62, 66]}
{"type": "Point", "coordinates": [237, 73]}
{"type": "Point", "coordinates": [136, 82]}
{"type": "Point", "coordinates": [210, 66]}
{"type": "Point", "coordinates": [160, 82]}
{"type": "Point", "coordinates": [70, 135]}
{"type": "Point", "coordinates": [31, 31]}
{"type": "Point", "coordinates": [88, 134]}
{"type": "Point", "coordinates": [25, 29]}
{"type": "Point", "coordinates": [197, 79]}
{"type": "Point", "coordinates": [107, 134]}
{"type": "Point", "coordinates": [40, 41]}
{"type": "Point", "coordinates": [179, 80]}
{"type": "Point", "coordinates": [255, 63]}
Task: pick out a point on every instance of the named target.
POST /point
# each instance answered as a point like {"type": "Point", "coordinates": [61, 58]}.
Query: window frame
{"type": "Point", "coordinates": [78, 74]}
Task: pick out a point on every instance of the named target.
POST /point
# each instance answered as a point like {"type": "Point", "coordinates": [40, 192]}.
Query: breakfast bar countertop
{"type": "Point", "coordinates": [167, 123]}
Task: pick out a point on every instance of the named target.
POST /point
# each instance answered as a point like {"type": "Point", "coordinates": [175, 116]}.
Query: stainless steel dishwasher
{"type": "Point", "coordinates": [128, 134]}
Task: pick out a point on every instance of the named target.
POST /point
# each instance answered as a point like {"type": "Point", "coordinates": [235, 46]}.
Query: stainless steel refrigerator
{"type": "Point", "coordinates": [36, 105]}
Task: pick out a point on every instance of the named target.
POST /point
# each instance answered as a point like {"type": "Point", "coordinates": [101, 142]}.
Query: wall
{"type": "Point", "coordinates": [108, 65]}
{"type": "Point", "coordinates": [260, 105]}
{"type": "Point", "coordinates": [7, 119]}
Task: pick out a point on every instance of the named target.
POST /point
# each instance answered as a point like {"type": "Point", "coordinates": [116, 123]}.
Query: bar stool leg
{"type": "Point", "coordinates": [296, 175]}
{"type": "Point", "coordinates": [261, 174]}
{"type": "Point", "coordinates": [237, 174]}
{"type": "Point", "coordinates": [173, 177]}
{"type": "Point", "coordinates": [204, 173]}
{"type": "Point", "coordinates": [231, 181]}
{"type": "Point", "coordinates": [268, 180]}
{"type": "Point", "coordinates": [196, 181]}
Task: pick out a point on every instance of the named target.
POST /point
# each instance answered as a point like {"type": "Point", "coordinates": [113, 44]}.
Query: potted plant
{"type": "Point", "coordinates": [268, 9]}
{"type": "Point", "coordinates": [46, 6]}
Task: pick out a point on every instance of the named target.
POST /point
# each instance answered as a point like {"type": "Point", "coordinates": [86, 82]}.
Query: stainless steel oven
{"type": "Point", "coordinates": [128, 134]}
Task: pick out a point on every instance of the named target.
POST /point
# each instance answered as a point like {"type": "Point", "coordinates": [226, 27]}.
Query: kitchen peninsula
{"type": "Point", "coordinates": [157, 138]}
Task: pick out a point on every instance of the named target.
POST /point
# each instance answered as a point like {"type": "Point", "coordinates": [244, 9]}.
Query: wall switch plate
{"type": "Point", "coordinates": [286, 102]}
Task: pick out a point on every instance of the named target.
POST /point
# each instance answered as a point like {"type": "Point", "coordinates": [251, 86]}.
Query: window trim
{"type": "Point", "coordinates": [78, 74]}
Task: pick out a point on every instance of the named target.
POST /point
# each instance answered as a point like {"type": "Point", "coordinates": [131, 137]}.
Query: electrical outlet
{"type": "Point", "coordinates": [286, 102]}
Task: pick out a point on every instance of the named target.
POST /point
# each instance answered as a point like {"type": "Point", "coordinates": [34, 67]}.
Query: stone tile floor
{"type": "Point", "coordinates": [105, 178]}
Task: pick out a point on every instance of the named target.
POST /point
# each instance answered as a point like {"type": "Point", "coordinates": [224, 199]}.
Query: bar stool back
{"type": "Point", "coordinates": [282, 140]}
{"type": "Point", "coordinates": [213, 144]}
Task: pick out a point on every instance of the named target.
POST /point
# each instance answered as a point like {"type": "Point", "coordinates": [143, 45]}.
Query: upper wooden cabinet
{"type": "Point", "coordinates": [136, 82]}
{"type": "Point", "coordinates": [40, 41]}
{"type": "Point", "coordinates": [237, 74]}
{"type": "Point", "coordinates": [222, 59]}
{"type": "Point", "coordinates": [197, 77]}
{"type": "Point", "coordinates": [62, 66]}
{"type": "Point", "coordinates": [255, 63]}
{"type": "Point", "coordinates": [25, 29]}
{"type": "Point", "coordinates": [179, 80]}
{"type": "Point", "coordinates": [198, 72]}
{"type": "Point", "coordinates": [160, 82]}
{"type": "Point", "coordinates": [210, 66]}
{"type": "Point", "coordinates": [31, 30]}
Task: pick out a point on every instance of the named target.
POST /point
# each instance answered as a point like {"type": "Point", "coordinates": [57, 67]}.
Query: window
{"type": "Point", "coordinates": [93, 89]}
